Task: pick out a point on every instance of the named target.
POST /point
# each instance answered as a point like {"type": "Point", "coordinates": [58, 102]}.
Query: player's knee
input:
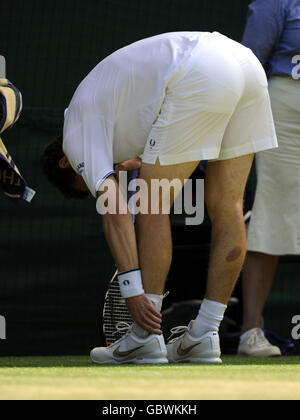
{"type": "Point", "coordinates": [221, 208]}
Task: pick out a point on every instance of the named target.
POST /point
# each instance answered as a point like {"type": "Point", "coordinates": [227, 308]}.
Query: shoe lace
{"type": "Point", "coordinates": [177, 331]}
{"type": "Point", "coordinates": [122, 327]}
{"type": "Point", "coordinates": [257, 338]}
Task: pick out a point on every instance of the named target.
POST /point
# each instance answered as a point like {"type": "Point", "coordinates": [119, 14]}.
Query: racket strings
{"type": "Point", "coordinates": [115, 314]}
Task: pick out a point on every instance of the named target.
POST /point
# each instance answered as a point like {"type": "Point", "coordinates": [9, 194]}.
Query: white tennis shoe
{"type": "Point", "coordinates": [132, 349]}
{"type": "Point", "coordinates": [255, 344]}
{"type": "Point", "coordinates": [187, 348]}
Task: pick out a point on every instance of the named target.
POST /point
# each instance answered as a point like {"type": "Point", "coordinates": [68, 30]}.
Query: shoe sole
{"type": "Point", "coordinates": [216, 361]}
{"type": "Point", "coordinates": [136, 361]}
{"type": "Point", "coordinates": [258, 355]}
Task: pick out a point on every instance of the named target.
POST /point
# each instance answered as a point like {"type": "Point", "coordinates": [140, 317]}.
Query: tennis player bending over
{"type": "Point", "coordinates": [173, 100]}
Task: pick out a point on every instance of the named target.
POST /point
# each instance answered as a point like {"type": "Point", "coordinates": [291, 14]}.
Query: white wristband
{"type": "Point", "coordinates": [131, 283]}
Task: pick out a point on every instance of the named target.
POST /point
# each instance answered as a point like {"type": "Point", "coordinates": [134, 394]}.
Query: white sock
{"type": "Point", "coordinates": [209, 318]}
{"type": "Point", "coordinates": [157, 301]}
{"type": "Point", "coordinates": [243, 336]}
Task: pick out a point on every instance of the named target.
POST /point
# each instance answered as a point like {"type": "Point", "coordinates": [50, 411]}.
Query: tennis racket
{"type": "Point", "coordinates": [116, 317]}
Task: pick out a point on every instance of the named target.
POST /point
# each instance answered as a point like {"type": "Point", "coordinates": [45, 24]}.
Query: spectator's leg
{"type": "Point", "coordinates": [258, 274]}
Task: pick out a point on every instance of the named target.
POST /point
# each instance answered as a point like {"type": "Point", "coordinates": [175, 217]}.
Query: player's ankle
{"type": "Point", "coordinates": [139, 331]}
{"type": "Point", "coordinates": [157, 300]}
{"type": "Point", "coordinates": [209, 318]}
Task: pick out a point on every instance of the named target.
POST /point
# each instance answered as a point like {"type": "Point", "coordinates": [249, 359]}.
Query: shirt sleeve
{"type": "Point", "coordinates": [88, 145]}
{"type": "Point", "coordinates": [264, 27]}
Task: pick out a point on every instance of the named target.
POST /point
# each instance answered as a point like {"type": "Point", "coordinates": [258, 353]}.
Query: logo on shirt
{"type": "Point", "coordinates": [152, 143]}
{"type": "Point", "coordinates": [80, 167]}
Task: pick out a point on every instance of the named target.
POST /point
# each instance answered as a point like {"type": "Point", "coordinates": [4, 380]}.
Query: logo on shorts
{"type": "Point", "coordinates": [152, 143]}
{"type": "Point", "coordinates": [126, 282]}
{"type": "Point", "coordinates": [80, 167]}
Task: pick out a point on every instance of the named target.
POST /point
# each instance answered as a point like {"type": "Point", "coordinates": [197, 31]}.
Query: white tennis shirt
{"type": "Point", "coordinates": [113, 109]}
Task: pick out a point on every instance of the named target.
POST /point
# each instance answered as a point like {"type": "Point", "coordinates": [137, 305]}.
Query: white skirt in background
{"type": "Point", "coordinates": [275, 223]}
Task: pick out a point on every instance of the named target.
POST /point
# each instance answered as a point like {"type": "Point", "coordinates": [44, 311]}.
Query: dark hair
{"type": "Point", "coordinates": [61, 178]}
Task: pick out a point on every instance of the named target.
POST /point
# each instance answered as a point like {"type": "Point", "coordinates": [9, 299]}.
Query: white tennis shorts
{"type": "Point", "coordinates": [216, 107]}
{"type": "Point", "coordinates": [275, 222]}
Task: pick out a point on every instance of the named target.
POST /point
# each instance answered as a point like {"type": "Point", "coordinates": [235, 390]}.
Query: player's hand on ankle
{"type": "Point", "coordinates": [144, 313]}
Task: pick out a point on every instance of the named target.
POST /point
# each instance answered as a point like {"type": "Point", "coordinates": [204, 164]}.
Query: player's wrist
{"type": "Point", "coordinates": [131, 284]}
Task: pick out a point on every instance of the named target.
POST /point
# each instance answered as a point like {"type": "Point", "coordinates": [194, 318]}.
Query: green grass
{"type": "Point", "coordinates": [76, 378]}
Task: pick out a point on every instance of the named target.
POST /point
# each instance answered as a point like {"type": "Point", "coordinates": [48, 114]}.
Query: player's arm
{"type": "Point", "coordinates": [118, 226]}
{"type": "Point", "coordinates": [120, 234]}
{"type": "Point", "coordinates": [129, 165]}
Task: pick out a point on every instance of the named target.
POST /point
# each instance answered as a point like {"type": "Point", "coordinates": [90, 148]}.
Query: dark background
{"type": "Point", "coordinates": [55, 264]}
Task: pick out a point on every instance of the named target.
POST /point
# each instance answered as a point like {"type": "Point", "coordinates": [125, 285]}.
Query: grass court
{"type": "Point", "coordinates": [76, 378]}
